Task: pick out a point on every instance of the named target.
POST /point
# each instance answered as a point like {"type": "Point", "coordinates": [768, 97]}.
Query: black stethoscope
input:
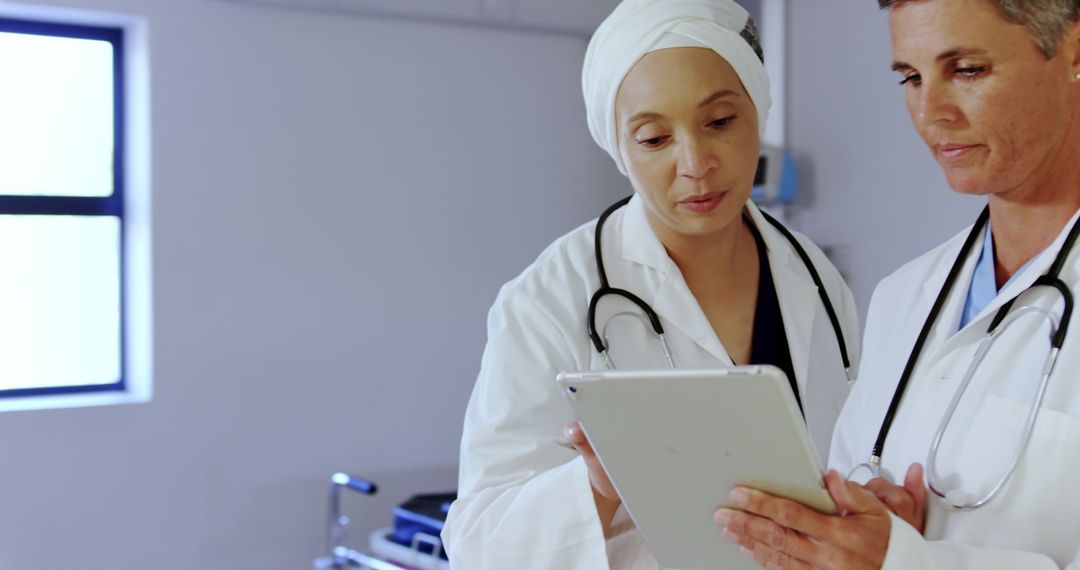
{"type": "Point", "coordinates": [600, 341]}
{"type": "Point", "coordinates": [1001, 321]}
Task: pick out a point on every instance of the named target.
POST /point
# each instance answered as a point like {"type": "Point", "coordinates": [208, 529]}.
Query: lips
{"type": "Point", "coordinates": [702, 203]}
{"type": "Point", "coordinates": [951, 152]}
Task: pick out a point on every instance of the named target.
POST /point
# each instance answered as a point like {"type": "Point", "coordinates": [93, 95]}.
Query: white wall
{"type": "Point", "coordinates": [337, 201]}
{"type": "Point", "coordinates": [874, 193]}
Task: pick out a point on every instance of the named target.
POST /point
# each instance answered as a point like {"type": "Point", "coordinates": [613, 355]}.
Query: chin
{"type": "Point", "coordinates": [967, 182]}
{"type": "Point", "coordinates": [717, 222]}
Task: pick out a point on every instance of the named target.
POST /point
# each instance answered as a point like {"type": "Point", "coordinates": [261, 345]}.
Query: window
{"type": "Point", "coordinates": [63, 267]}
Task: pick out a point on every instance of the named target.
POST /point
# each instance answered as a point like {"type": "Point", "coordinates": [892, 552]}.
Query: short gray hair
{"type": "Point", "coordinates": [1045, 20]}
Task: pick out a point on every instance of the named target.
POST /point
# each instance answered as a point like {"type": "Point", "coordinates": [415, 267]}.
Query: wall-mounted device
{"type": "Point", "coordinates": [776, 181]}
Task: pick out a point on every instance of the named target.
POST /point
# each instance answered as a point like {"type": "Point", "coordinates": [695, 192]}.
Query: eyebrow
{"type": "Point", "coordinates": [944, 56]}
{"type": "Point", "coordinates": [722, 94]}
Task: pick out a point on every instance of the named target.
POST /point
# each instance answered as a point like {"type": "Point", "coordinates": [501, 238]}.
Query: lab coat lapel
{"type": "Point", "coordinates": [674, 302]}
{"type": "Point", "coordinates": [796, 292]}
{"type": "Point", "coordinates": [981, 322]}
{"type": "Point", "coordinates": [944, 334]}
{"type": "Point", "coordinates": [1039, 266]}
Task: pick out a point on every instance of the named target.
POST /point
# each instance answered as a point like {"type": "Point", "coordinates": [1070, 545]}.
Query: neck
{"type": "Point", "coordinates": [714, 254]}
{"type": "Point", "coordinates": [1022, 229]}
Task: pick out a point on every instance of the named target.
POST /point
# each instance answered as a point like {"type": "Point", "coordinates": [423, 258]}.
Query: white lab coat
{"type": "Point", "coordinates": [1035, 522]}
{"type": "Point", "coordinates": [524, 501]}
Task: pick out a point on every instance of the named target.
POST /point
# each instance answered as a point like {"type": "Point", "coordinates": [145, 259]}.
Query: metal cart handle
{"type": "Point", "coordinates": [336, 525]}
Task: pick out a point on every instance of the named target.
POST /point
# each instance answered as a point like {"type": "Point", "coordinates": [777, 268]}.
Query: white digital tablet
{"type": "Point", "coordinates": [675, 442]}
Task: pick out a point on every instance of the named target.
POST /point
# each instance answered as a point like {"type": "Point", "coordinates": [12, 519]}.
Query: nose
{"type": "Point", "coordinates": [696, 158]}
{"type": "Point", "coordinates": [934, 104]}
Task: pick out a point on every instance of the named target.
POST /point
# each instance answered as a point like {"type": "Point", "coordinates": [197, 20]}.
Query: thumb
{"type": "Point", "coordinates": [850, 499]}
{"type": "Point", "coordinates": [576, 436]}
{"type": "Point", "coordinates": [913, 482]}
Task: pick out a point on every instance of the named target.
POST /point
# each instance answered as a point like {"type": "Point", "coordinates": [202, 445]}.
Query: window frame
{"type": "Point", "coordinates": [112, 205]}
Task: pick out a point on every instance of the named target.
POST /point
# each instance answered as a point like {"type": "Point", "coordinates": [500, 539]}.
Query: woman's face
{"type": "Point", "coordinates": [993, 109]}
{"type": "Point", "coordinates": [688, 136]}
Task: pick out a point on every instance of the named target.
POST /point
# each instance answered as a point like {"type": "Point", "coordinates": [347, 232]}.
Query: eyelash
{"type": "Point", "coordinates": [723, 122]}
{"type": "Point", "coordinates": [971, 71]}
{"type": "Point", "coordinates": [655, 142]}
{"type": "Point", "coordinates": [967, 72]}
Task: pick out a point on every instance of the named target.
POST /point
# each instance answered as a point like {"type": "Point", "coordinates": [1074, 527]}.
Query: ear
{"type": "Point", "coordinates": [1071, 45]}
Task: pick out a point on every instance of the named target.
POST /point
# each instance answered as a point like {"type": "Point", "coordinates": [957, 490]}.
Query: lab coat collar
{"type": "Point", "coordinates": [639, 242]}
{"type": "Point", "coordinates": [1039, 266]}
{"type": "Point", "coordinates": [796, 292]}
{"type": "Point", "coordinates": [950, 317]}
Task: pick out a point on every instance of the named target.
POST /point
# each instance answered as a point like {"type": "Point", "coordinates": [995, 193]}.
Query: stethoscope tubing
{"type": "Point", "coordinates": [1001, 319]}
{"type": "Point", "coordinates": [599, 340]}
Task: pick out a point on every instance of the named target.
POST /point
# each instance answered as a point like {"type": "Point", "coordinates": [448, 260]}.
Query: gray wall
{"type": "Point", "coordinates": [754, 7]}
{"type": "Point", "coordinates": [874, 194]}
{"type": "Point", "coordinates": [337, 201]}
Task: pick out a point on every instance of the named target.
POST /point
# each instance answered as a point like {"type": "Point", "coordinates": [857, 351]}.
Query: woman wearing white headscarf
{"type": "Point", "coordinates": [676, 93]}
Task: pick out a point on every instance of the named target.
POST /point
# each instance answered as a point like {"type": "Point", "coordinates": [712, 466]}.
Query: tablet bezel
{"type": "Point", "coordinates": [646, 425]}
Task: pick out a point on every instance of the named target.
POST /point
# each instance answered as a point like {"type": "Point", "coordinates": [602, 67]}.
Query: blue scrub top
{"type": "Point", "coordinates": [983, 286]}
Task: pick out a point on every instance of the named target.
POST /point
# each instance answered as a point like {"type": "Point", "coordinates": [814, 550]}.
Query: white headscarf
{"type": "Point", "coordinates": [638, 27]}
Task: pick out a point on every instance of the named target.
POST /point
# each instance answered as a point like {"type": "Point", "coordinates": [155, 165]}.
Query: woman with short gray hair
{"type": "Point", "coordinates": [967, 365]}
{"type": "Point", "coordinates": [1046, 20]}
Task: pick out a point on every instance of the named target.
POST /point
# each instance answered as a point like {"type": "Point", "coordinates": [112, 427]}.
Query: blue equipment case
{"type": "Point", "coordinates": [421, 514]}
